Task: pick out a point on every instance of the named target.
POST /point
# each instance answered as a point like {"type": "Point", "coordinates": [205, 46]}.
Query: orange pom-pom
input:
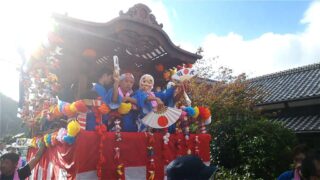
{"type": "Point", "coordinates": [104, 109]}
{"type": "Point", "coordinates": [68, 111]}
{"type": "Point", "coordinates": [56, 113]}
{"type": "Point", "coordinates": [204, 113]}
{"type": "Point", "coordinates": [80, 106]}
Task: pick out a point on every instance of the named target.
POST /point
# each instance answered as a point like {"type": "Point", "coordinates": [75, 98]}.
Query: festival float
{"type": "Point", "coordinates": [57, 75]}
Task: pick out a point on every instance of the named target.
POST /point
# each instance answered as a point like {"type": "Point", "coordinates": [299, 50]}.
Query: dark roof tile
{"type": "Point", "coordinates": [292, 84]}
{"type": "Point", "coordinates": [301, 124]}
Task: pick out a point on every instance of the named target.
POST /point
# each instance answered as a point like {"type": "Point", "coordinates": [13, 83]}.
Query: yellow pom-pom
{"type": "Point", "coordinates": [51, 108]}
{"type": "Point", "coordinates": [73, 128]}
{"type": "Point", "coordinates": [73, 108]}
{"type": "Point", "coordinates": [197, 112]}
{"type": "Point", "coordinates": [34, 142]}
{"type": "Point", "coordinates": [45, 140]}
{"type": "Point", "coordinates": [124, 108]}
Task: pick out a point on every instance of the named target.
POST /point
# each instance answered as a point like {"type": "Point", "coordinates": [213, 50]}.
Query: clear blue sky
{"type": "Point", "coordinates": [195, 19]}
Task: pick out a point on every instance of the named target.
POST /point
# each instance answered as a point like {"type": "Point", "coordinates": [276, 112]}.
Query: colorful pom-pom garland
{"type": "Point", "coordinates": [62, 136]}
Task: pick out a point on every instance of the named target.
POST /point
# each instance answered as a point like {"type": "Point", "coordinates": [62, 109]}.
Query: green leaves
{"type": "Point", "coordinates": [256, 147]}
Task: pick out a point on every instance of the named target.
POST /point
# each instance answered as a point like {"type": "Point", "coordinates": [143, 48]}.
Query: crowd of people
{"type": "Point", "coordinates": [306, 164]}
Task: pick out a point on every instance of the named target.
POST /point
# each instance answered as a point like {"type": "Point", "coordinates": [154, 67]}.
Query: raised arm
{"type": "Point", "coordinates": [34, 161]}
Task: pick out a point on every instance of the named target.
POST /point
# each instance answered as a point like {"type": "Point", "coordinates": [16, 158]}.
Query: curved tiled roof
{"type": "Point", "coordinates": [302, 123]}
{"type": "Point", "coordinates": [294, 84]}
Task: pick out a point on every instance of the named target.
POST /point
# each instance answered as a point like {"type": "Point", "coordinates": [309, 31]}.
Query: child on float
{"type": "Point", "coordinates": [123, 87]}
{"type": "Point", "coordinates": [147, 100]}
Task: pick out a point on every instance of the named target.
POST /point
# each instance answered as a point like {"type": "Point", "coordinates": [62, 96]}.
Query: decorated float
{"type": "Point", "coordinates": [56, 78]}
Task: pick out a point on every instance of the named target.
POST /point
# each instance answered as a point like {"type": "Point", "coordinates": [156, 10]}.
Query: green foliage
{"type": "Point", "coordinates": [265, 147]}
{"type": "Point", "coordinates": [224, 173]}
{"type": "Point", "coordinates": [252, 145]}
{"type": "Point", "coordinates": [244, 144]}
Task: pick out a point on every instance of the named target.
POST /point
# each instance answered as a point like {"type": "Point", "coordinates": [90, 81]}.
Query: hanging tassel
{"type": "Point", "coordinates": [117, 153]}
{"type": "Point", "coordinates": [151, 175]}
{"type": "Point", "coordinates": [120, 170]}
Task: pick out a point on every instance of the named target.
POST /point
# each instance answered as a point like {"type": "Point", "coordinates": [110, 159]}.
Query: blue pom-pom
{"type": "Point", "coordinates": [190, 111]}
{"type": "Point", "coordinates": [69, 139]}
{"type": "Point", "coordinates": [49, 139]}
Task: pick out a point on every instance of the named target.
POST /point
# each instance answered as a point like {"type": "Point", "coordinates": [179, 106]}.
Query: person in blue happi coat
{"type": "Point", "coordinates": [122, 92]}
{"type": "Point", "coordinates": [147, 100]}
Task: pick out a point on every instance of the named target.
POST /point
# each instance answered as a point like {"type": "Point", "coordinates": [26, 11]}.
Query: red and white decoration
{"type": "Point", "coordinates": [79, 161]}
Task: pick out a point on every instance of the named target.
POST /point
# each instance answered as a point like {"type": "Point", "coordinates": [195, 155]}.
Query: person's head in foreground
{"type": "Point", "coordinates": [189, 168]}
{"type": "Point", "coordinates": [104, 76]}
{"type": "Point", "coordinates": [8, 163]}
{"type": "Point", "coordinates": [310, 167]}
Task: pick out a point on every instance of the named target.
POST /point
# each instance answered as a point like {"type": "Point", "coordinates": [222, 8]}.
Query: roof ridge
{"type": "Point", "coordinates": [288, 71]}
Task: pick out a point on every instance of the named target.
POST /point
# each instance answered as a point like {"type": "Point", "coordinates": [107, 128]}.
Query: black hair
{"type": "Point", "coordinates": [90, 94]}
{"type": "Point", "coordinates": [14, 157]}
{"type": "Point", "coordinates": [308, 167]}
{"type": "Point", "coordinates": [103, 71]}
{"type": "Point", "coordinates": [301, 148]}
